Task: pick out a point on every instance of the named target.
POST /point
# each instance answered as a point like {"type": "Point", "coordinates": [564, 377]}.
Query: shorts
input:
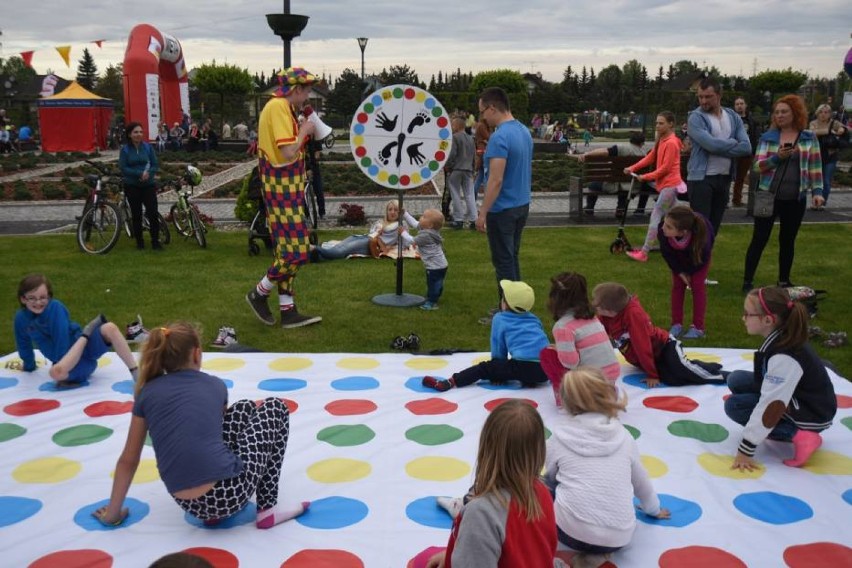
{"type": "Point", "coordinates": [96, 346]}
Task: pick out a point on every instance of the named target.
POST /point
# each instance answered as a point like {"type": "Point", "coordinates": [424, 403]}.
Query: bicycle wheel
{"type": "Point", "coordinates": [198, 228]}
{"type": "Point", "coordinates": [165, 234]}
{"type": "Point", "coordinates": [180, 219]}
{"type": "Point", "coordinates": [98, 229]}
{"type": "Point", "coordinates": [126, 218]}
{"type": "Point", "coordinates": [329, 141]}
{"type": "Point", "coordinates": [311, 206]}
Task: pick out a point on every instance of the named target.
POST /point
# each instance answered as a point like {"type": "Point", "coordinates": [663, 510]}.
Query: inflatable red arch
{"type": "Point", "coordinates": [156, 86]}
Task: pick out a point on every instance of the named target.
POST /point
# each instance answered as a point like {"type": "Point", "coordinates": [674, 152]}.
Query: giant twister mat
{"type": "Point", "coordinates": [372, 449]}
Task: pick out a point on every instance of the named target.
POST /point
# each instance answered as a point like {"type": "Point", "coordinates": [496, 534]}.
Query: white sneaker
{"type": "Point", "coordinates": [452, 505]}
{"type": "Point", "coordinates": [135, 332]}
{"type": "Point", "coordinates": [227, 336]}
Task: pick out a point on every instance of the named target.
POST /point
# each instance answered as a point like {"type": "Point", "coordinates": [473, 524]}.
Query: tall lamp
{"type": "Point", "coordinates": [362, 43]}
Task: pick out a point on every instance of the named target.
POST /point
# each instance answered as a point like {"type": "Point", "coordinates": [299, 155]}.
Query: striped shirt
{"type": "Point", "coordinates": [585, 342]}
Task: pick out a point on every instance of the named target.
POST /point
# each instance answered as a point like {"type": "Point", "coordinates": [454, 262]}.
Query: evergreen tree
{"type": "Point", "coordinates": [87, 71]}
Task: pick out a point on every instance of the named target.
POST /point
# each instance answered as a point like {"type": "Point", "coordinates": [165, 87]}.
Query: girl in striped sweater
{"type": "Point", "coordinates": [579, 338]}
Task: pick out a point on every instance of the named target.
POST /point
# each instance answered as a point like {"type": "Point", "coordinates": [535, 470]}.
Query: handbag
{"type": "Point", "coordinates": [832, 141]}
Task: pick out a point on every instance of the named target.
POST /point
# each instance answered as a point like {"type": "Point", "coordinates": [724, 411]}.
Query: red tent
{"type": "Point", "coordinates": [74, 120]}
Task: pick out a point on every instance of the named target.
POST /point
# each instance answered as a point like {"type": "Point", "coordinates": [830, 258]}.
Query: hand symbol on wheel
{"type": "Point", "coordinates": [383, 122]}
{"type": "Point", "coordinates": [414, 155]}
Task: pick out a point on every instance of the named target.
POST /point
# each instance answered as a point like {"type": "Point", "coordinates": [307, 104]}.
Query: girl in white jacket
{"type": "Point", "coordinates": [594, 468]}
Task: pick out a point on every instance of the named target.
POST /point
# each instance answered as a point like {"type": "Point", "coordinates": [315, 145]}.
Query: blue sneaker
{"type": "Point", "coordinates": [693, 333]}
{"type": "Point", "coordinates": [676, 330]}
{"type": "Point", "coordinates": [428, 306]}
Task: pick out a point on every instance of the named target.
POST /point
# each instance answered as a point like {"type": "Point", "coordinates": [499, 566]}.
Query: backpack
{"type": "Point", "coordinates": [807, 296]}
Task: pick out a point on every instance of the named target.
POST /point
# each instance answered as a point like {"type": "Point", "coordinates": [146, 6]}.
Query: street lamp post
{"type": "Point", "coordinates": [362, 43]}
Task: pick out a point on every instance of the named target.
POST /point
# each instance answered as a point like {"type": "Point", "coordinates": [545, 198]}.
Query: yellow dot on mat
{"type": "Point", "coordinates": [339, 470]}
{"type": "Point", "coordinates": [824, 462]}
{"type": "Point", "coordinates": [620, 358]}
{"type": "Point", "coordinates": [358, 140]}
{"type": "Point", "coordinates": [480, 359]}
{"type": "Point", "coordinates": [699, 356]}
{"type": "Point", "coordinates": [748, 356]}
{"type": "Point", "coordinates": [437, 469]}
{"type": "Point", "coordinates": [415, 178]}
{"type": "Point", "coordinates": [420, 96]}
{"type": "Point", "coordinates": [720, 466]}
{"type": "Point", "coordinates": [426, 363]}
{"type": "Point", "coordinates": [47, 470]}
{"type": "Point", "coordinates": [103, 362]}
{"type": "Point", "coordinates": [355, 363]}
{"type": "Point", "coordinates": [383, 175]}
{"type": "Point", "coordinates": [290, 363]}
{"type": "Point", "coordinates": [222, 364]}
{"type": "Point", "coordinates": [146, 472]}
{"type": "Point", "coordinates": [655, 466]}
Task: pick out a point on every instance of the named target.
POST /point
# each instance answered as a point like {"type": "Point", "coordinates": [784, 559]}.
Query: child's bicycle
{"type": "Point", "coordinates": [99, 226]}
{"type": "Point", "coordinates": [185, 215]}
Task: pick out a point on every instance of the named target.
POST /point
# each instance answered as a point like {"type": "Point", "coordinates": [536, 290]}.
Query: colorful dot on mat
{"type": "Point", "coordinates": [245, 516]}
{"type": "Point", "coordinates": [844, 401]}
{"type": "Point", "coordinates": [492, 404]}
{"type": "Point", "coordinates": [10, 431]}
{"type": "Point", "coordinates": [146, 472]}
{"type": "Point", "coordinates": [358, 363]}
{"type": "Point", "coordinates": [83, 517]}
{"type": "Point", "coordinates": [228, 383]}
{"type": "Point", "coordinates": [350, 407]}
{"type": "Point", "coordinates": [620, 358]}
{"type": "Point", "coordinates": [216, 556]}
{"type": "Point", "coordinates": [655, 466]}
{"type": "Point", "coordinates": [90, 558]}
{"type": "Point", "coordinates": [671, 403]}
{"type": "Point", "coordinates": [437, 468]}
{"type": "Point", "coordinates": [16, 509]}
{"type": "Point", "coordinates": [8, 382]}
{"type": "Point", "coordinates": [511, 385]}
{"type": "Point", "coordinates": [847, 496]}
{"type": "Point", "coordinates": [635, 432]}
{"type": "Point", "coordinates": [51, 386]}
{"type": "Point", "coordinates": [426, 363]}
{"type": "Point", "coordinates": [426, 512]}
{"type": "Point", "coordinates": [636, 380]}
{"type": "Point", "coordinates": [346, 435]}
{"type": "Point", "coordinates": [334, 513]}
{"type": "Point", "coordinates": [825, 462]}
{"type": "Point", "coordinates": [124, 387]}
{"type": "Point", "coordinates": [422, 557]}
{"type": "Point", "coordinates": [338, 470]}
{"type": "Point", "coordinates": [315, 558]}
{"type": "Point", "coordinates": [720, 466]}
{"type": "Point", "coordinates": [282, 385]}
{"type": "Point", "coordinates": [683, 512]}
{"type": "Point", "coordinates": [480, 359]}
{"type": "Point", "coordinates": [847, 422]}
{"type": "Point", "coordinates": [433, 434]}
{"type": "Point", "coordinates": [223, 364]}
{"type": "Point", "coordinates": [701, 356]}
{"type": "Point", "coordinates": [104, 362]}
{"type": "Point", "coordinates": [290, 363]}
{"type": "Point", "coordinates": [431, 406]}
{"type": "Point", "coordinates": [818, 554]}
{"type": "Point", "coordinates": [355, 383]}
{"type": "Point", "coordinates": [46, 470]}
{"type": "Point", "coordinates": [108, 408]}
{"type": "Point", "coordinates": [81, 435]}
{"type": "Point", "coordinates": [699, 556]}
{"type": "Point", "coordinates": [416, 383]}
{"type": "Point", "coordinates": [698, 430]}
{"type": "Point", "coordinates": [773, 508]}
{"type": "Point", "coordinates": [31, 406]}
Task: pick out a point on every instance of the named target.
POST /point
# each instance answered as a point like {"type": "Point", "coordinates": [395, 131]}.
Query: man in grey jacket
{"type": "Point", "coordinates": [718, 138]}
{"type": "Point", "coordinates": [459, 171]}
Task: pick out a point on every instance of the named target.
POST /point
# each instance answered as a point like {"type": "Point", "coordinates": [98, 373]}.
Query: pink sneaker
{"type": "Point", "coordinates": [805, 444]}
{"type": "Point", "coordinates": [638, 255]}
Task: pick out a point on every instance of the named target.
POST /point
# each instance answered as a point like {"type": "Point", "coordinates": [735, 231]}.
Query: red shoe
{"type": "Point", "coordinates": [805, 444]}
{"type": "Point", "coordinates": [638, 255]}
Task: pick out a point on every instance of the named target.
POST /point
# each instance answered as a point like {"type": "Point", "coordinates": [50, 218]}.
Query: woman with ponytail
{"type": "Point", "coordinates": [211, 457]}
{"type": "Point", "coordinates": [789, 395]}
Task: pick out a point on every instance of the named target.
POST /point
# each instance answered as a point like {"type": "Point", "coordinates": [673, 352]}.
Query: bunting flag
{"type": "Point", "coordinates": [99, 42]}
{"type": "Point", "coordinates": [65, 52]}
{"type": "Point", "coordinates": [27, 56]}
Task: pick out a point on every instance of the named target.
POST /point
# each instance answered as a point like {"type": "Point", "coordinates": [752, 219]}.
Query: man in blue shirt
{"type": "Point", "coordinates": [508, 174]}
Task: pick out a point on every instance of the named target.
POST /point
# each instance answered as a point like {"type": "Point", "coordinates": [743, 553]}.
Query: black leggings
{"type": "Point", "coordinates": [502, 370]}
{"type": "Point", "coordinates": [790, 214]}
{"type": "Point", "coordinates": [137, 197]}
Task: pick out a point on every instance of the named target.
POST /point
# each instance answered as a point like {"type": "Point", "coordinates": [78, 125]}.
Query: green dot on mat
{"type": "Point", "coordinates": [547, 433]}
{"type": "Point", "coordinates": [633, 431]}
{"type": "Point", "coordinates": [847, 422]}
{"type": "Point", "coordinates": [11, 431]}
{"type": "Point", "coordinates": [148, 441]}
{"type": "Point", "coordinates": [698, 430]}
{"type": "Point", "coordinates": [433, 434]}
{"type": "Point", "coordinates": [81, 435]}
{"type": "Point", "coordinates": [346, 435]}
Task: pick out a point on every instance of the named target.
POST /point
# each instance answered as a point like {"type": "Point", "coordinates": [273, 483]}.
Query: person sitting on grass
{"type": "Point", "coordinates": [650, 348]}
{"type": "Point", "coordinates": [430, 245]}
{"type": "Point", "coordinates": [44, 321]}
{"type": "Point", "coordinates": [517, 338]}
{"type": "Point", "coordinates": [384, 237]}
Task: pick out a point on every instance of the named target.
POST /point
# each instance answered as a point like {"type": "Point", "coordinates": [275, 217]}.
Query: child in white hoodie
{"type": "Point", "coordinates": [594, 468]}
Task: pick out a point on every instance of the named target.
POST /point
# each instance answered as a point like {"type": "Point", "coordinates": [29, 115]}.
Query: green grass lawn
{"type": "Point", "coordinates": [208, 287]}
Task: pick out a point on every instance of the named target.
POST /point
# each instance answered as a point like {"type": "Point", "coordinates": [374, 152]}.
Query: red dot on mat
{"type": "Point", "coordinates": [700, 556]}
{"type": "Point", "coordinates": [439, 155]}
{"type": "Point", "coordinates": [818, 554]}
{"type": "Point", "coordinates": [31, 406]}
{"type": "Point", "coordinates": [108, 408]}
{"type": "Point", "coordinates": [423, 556]}
{"type": "Point", "coordinates": [84, 558]}
{"type": "Point", "coordinates": [409, 93]}
{"type": "Point", "coordinates": [215, 556]}
{"type": "Point", "coordinates": [844, 401]}
{"type": "Point", "coordinates": [442, 121]}
{"type": "Point", "coordinates": [492, 404]}
{"type": "Point", "coordinates": [360, 151]}
{"type": "Point", "coordinates": [362, 117]}
{"type": "Point", "coordinates": [431, 406]}
{"type": "Point", "coordinates": [315, 558]}
{"type": "Point", "coordinates": [292, 405]}
{"type": "Point", "coordinates": [671, 403]}
{"type": "Point", "coordinates": [350, 407]}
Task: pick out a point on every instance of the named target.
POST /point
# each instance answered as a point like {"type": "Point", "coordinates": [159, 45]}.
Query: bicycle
{"type": "Point", "coordinates": [310, 206]}
{"type": "Point", "coordinates": [127, 218]}
{"type": "Point", "coordinates": [259, 229]}
{"type": "Point", "coordinates": [99, 225]}
{"type": "Point", "coordinates": [185, 215]}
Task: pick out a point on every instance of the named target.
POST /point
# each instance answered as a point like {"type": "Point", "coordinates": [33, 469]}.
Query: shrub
{"type": "Point", "coordinates": [21, 192]}
{"type": "Point", "coordinates": [77, 190]}
{"type": "Point", "coordinates": [246, 208]}
{"type": "Point", "coordinates": [351, 214]}
{"type": "Point", "coordinates": [52, 191]}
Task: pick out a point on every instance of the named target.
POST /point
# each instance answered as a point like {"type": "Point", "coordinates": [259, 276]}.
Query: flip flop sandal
{"type": "Point", "coordinates": [398, 343]}
{"type": "Point", "coordinates": [412, 342]}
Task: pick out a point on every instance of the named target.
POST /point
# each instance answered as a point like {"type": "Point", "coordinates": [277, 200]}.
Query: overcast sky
{"type": "Point", "coordinates": [737, 36]}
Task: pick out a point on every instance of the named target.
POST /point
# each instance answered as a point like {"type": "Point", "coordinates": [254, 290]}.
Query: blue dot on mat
{"type": "Point", "coordinates": [444, 133]}
{"type": "Point", "coordinates": [429, 103]}
{"type": "Point", "coordinates": [847, 496]}
{"type": "Point", "coordinates": [84, 519]}
{"type": "Point", "coordinates": [416, 384]}
{"type": "Point", "coordinates": [377, 100]}
{"type": "Point", "coordinates": [683, 512]}
{"type": "Point", "coordinates": [511, 385]}
{"type": "Point", "coordinates": [635, 380]}
{"type": "Point", "coordinates": [8, 382]}
{"type": "Point", "coordinates": [228, 383]}
{"type": "Point", "coordinates": [355, 383]}
{"type": "Point", "coordinates": [16, 509]}
{"type": "Point", "coordinates": [425, 173]}
{"type": "Point", "coordinates": [333, 513]}
{"type": "Point", "coordinates": [50, 386]}
{"type": "Point", "coordinates": [282, 384]}
{"type": "Point", "coordinates": [773, 508]}
{"type": "Point", "coordinates": [247, 515]}
{"type": "Point", "coordinates": [373, 170]}
{"type": "Point", "coordinates": [124, 387]}
{"type": "Point", "coordinates": [358, 129]}
{"type": "Point", "coordinates": [426, 512]}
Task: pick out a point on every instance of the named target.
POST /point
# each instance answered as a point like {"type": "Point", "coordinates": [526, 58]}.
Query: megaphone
{"type": "Point", "coordinates": [321, 129]}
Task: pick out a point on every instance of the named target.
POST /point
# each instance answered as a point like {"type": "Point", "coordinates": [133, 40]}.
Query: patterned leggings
{"type": "Point", "coordinates": [665, 201]}
{"type": "Point", "coordinates": [284, 193]}
{"type": "Point", "coordinates": [258, 435]}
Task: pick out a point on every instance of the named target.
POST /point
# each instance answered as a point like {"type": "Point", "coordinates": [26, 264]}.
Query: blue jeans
{"type": "Point", "coordinates": [435, 284]}
{"type": "Point", "coordinates": [709, 196]}
{"type": "Point", "coordinates": [827, 175]}
{"type": "Point", "coordinates": [504, 230]}
{"type": "Point", "coordinates": [745, 393]}
{"type": "Point", "coordinates": [354, 244]}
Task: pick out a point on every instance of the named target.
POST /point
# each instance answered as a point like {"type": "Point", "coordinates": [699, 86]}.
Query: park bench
{"type": "Point", "coordinates": [604, 169]}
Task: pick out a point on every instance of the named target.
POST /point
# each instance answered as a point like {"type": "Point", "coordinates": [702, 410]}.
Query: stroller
{"type": "Point", "coordinates": [259, 228]}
